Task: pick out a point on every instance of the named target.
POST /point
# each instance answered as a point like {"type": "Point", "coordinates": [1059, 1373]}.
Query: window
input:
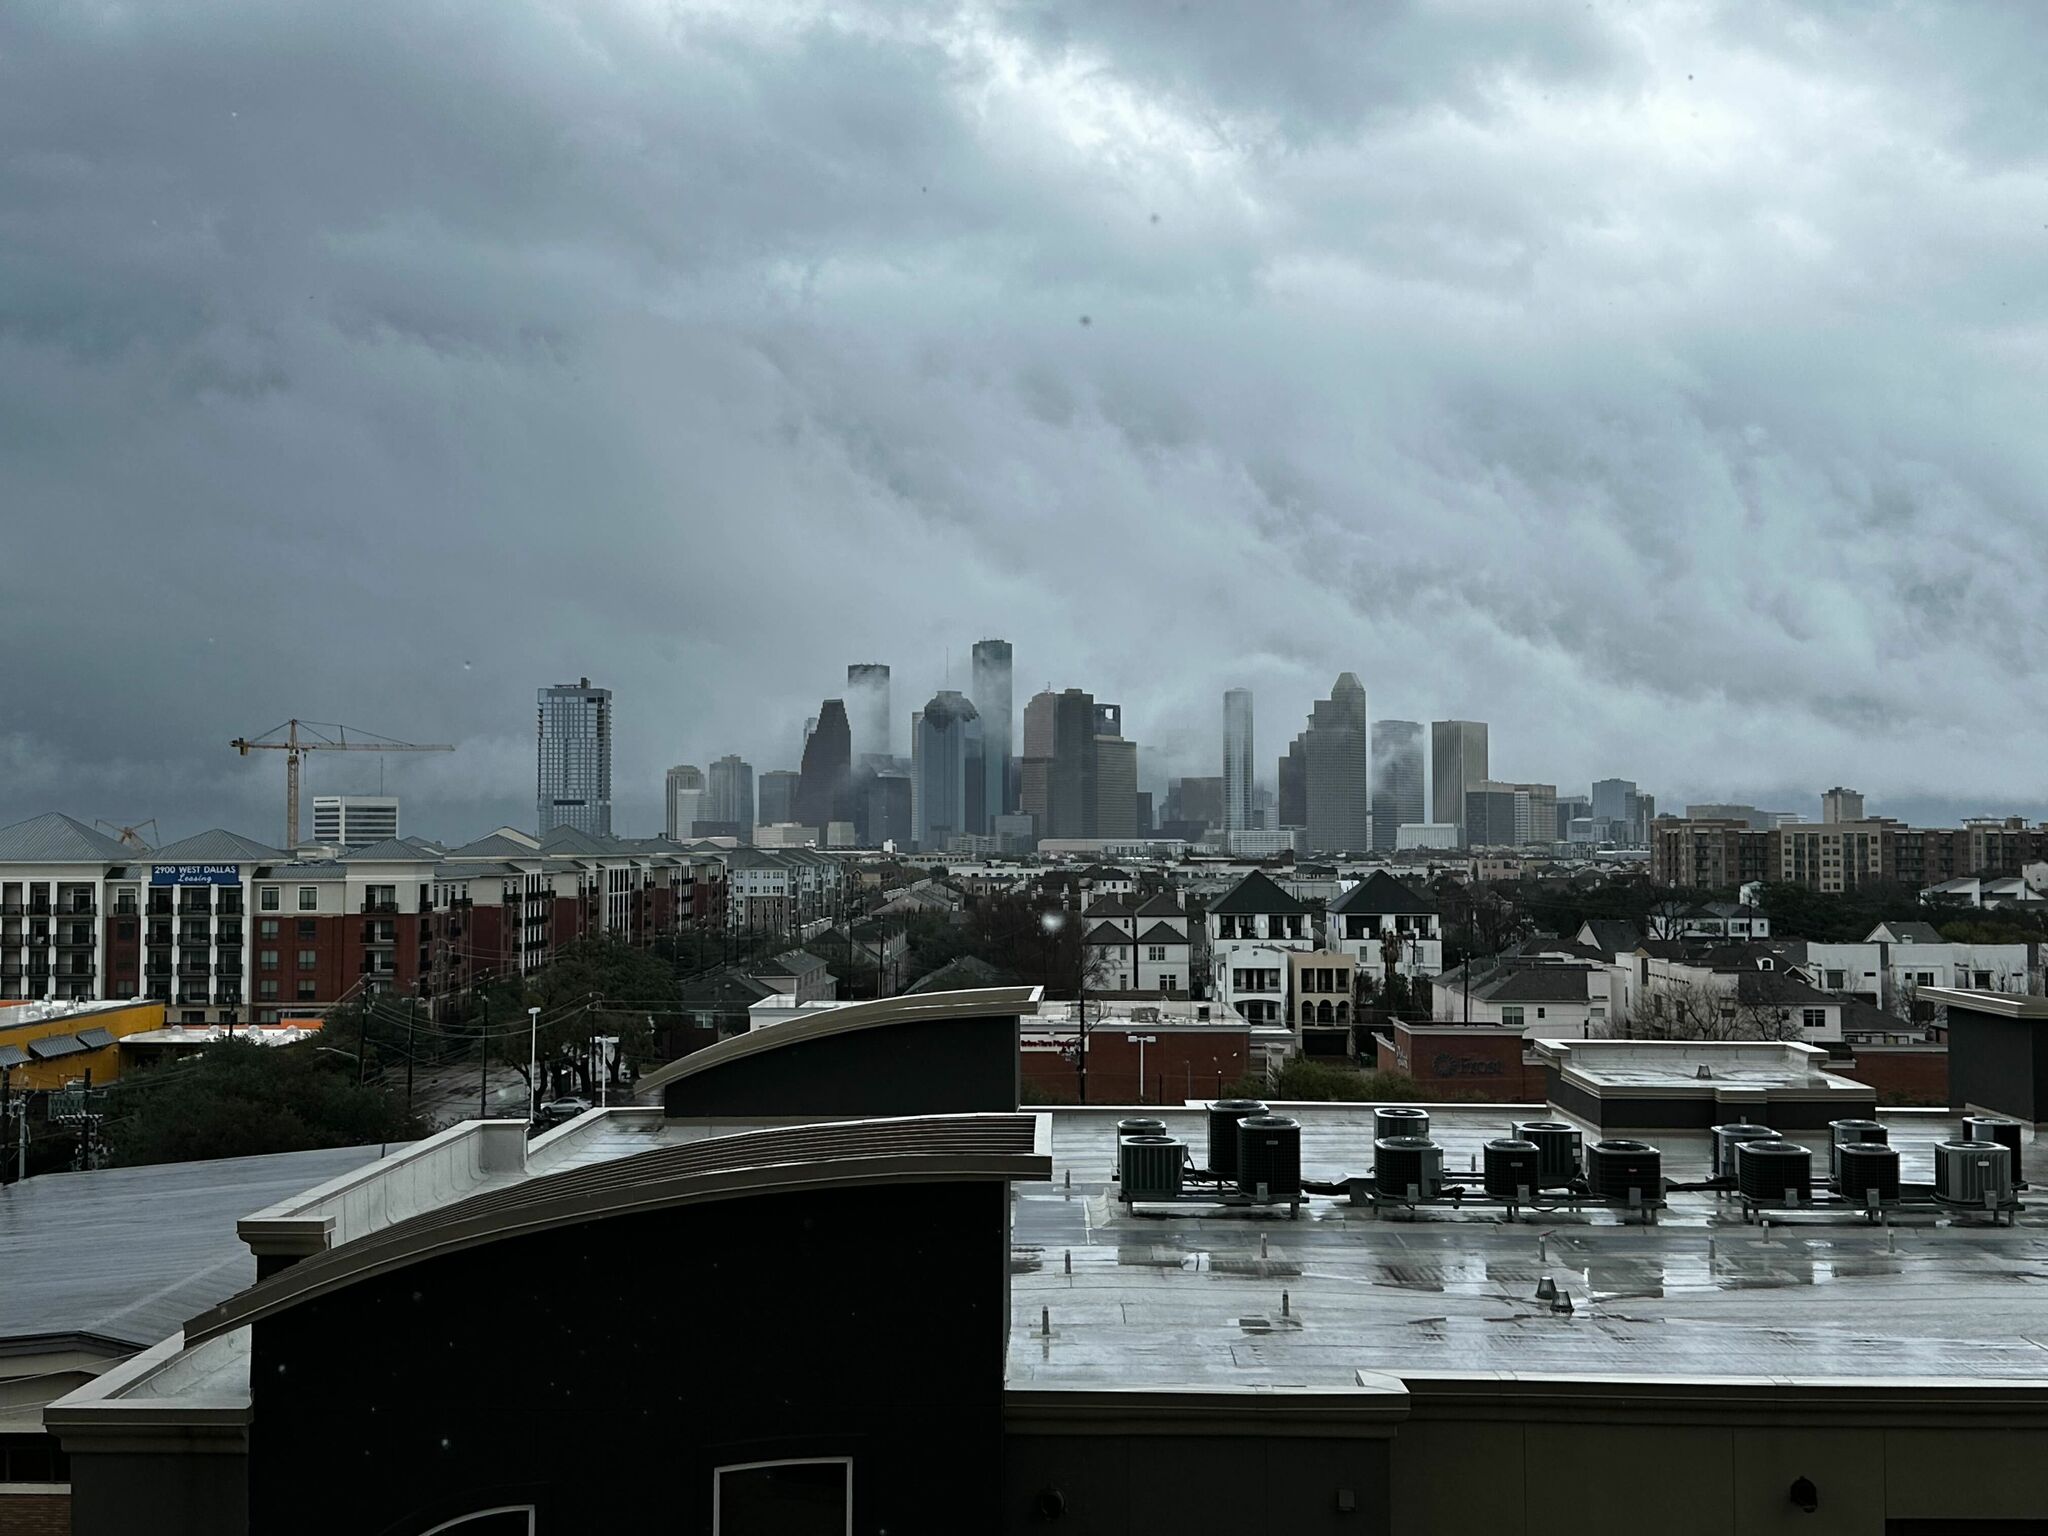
{"type": "Point", "coordinates": [266, 959]}
{"type": "Point", "coordinates": [308, 927]}
{"type": "Point", "coordinates": [124, 930]}
{"type": "Point", "coordinates": [1813, 1018]}
{"type": "Point", "coordinates": [266, 928]}
{"type": "Point", "coordinates": [308, 958]}
{"type": "Point", "coordinates": [267, 988]}
{"type": "Point", "coordinates": [266, 898]}
{"type": "Point", "coordinates": [783, 1498]}
{"type": "Point", "coordinates": [1155, 952]}
{"type": "Point", "coordinates": [309, 898]}
{"type": "Point", "coordinates": [1511, 1017]}
{"type": "Point", "coordinates": [308, 991]}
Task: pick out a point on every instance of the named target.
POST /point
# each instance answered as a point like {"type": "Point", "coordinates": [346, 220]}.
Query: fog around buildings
{"type": "Point", "coordinates": [1654, 382]}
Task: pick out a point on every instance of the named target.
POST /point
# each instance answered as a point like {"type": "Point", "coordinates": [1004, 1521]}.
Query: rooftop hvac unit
{"type": "Point", "coordinates": [1407, 1167]}
{"type": "Point", "coordinates": [1149, 1167]}
{"type": "Point", "coordinates": [1140, 1125]}
{"type": "Point", "coordinates": [1399, 1122]}
{"type": "Point", "coordinates": [1996, 1128]}
{"type": "Point", "coordinates": [1728, 1137]}
{"type": "Point", "coordinates": [1223, 1117]}
{"type": "Point", "coordinates": [1842, 1133]}
{"type": "Point", "coordinates": [1269, 1157]}
{"type": "Point", "coordinates": [1864, 1169]}
{"type": "Point", "coordinates": [1558, 1145]}
{"type": "Point", "coordinates": [1774, 1172]}
{"type": "Point", "coordinates": [1510, 1169]}
{"type": "Point", "coordinates": [1618, 1170]}
{"type": "Point", "coordinates": [1973, 1172]}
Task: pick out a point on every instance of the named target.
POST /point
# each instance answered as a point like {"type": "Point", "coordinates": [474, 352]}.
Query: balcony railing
{"type": "Point", "coordinates": [74, 939]}
{"type": "Point", "coordinates": [77, 909]}
{"type": "Point", "coordinates": [381, 906]}
{"type": "Point", "coordinates": [156, 970]}
{"type": "Point", "coordinates": [11, 909]}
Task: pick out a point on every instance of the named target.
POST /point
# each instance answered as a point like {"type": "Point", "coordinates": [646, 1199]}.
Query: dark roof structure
{"type": "Point", "coordinates": [1614, 935]}
{"type": "Point", "coordinates": [1380, 894]}
{"type": "Point", "coordinates": [1914, 932]}
{"type": "Point", "coordinates": [1537, 984]}
{"type": "Point", "coordinates": [1162, 904]}
{"type": "Point", "coordinates": [1159, 933]}
{"type": "Point", "coordinates": [1257, 894]}
{"type": "Point", "coordinates": [787, 1160]}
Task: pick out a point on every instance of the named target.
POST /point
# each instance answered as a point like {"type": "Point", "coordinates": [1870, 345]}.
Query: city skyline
{"type": "Point", "coordinates": [1616, 429]}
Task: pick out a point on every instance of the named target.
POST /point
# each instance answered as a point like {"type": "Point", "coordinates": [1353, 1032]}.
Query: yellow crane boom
{"type": "Point", "coordinates": [302, 736]}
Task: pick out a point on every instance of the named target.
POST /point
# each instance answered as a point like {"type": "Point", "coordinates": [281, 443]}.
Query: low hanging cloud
{"type": "Point", "coordinates": [1656, 382]}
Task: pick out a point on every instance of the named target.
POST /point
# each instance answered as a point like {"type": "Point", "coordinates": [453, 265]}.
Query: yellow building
{"type": "Point", "coordinates": [49, 1044]}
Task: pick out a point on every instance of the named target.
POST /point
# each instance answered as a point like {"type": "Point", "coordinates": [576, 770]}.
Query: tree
{"type": "Point", "coordinates": [238, 1099]}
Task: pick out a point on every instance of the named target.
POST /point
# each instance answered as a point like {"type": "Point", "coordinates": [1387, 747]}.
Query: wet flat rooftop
{"type": "Point", "coordinates": [1186, 1296]}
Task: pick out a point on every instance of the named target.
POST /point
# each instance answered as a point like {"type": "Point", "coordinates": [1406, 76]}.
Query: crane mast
{"type": "Point", "coordinates": [296, 745]}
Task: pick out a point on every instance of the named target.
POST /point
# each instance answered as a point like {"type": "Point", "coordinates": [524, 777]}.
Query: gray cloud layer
{"type": "Point", "coordinates": [1659, 383]}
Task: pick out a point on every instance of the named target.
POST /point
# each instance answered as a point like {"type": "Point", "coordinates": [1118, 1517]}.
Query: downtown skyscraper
{"type": "Point", "coordinates": [867, 709]}
{"type": "Point", "coordinates": [1396, 780]}
{"type": "Point", "coordinates": [1457, 765]}
{"type": "Point", "coordinates": [994, 703]}
{"type": "Point", "coordinates": [1338, 773]}
{"type": "Point", "coordinates": [1237, 760]}
{"type": "Point", "coordinates": [574, 759]}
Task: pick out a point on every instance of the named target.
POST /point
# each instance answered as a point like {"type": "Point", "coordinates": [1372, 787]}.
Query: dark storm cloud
{"type": "Point", "coordinates": [1658, 383]}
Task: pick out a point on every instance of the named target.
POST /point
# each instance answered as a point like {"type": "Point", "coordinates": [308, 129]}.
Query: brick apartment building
{"type": "Point", "coordinates": [221, 928]}
{"type": "Point", "coordinates": [1838, 856]}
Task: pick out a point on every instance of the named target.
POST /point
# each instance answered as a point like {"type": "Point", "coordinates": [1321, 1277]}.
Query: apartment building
{"type": "Point", "coordinates": [1378, 908]}
{"type": "Point", "coordinates": [1253, 928]}
{"type": "Point", "coordinates": [1137, 946]}
{"type": "Point", "coordinates": [223, 929]}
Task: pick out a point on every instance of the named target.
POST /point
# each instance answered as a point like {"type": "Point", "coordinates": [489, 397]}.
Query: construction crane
{"type": "Point", "coordinates": [315, 739]}
{"type": "Point", "coordinates": [130, 837]}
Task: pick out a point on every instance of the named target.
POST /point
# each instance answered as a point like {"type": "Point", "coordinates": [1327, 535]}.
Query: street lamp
{"type": "Point", "coordinates": [532, 1064]}
{"type": "Point", "coordinates": [1052, 923]}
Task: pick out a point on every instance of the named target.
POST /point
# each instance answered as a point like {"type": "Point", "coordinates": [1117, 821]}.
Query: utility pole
{"type": "Point", "coordinates": [411, 1017]}
{"type": "Point", "coordinates": [483, 1062]}
{"type": "Point", "coordinates": [362, 1037]}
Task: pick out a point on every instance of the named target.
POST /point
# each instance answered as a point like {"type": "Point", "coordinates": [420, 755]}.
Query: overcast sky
{"type": "Point", "coordinates": [1660, 383]}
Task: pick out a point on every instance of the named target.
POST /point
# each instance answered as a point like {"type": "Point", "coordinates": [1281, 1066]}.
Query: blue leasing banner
{"type": "Point", "coordinates": [195, 874]}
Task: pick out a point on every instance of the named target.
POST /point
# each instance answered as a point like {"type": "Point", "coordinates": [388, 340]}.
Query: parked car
{"type": "Point", "coordinates": [559, 1112]}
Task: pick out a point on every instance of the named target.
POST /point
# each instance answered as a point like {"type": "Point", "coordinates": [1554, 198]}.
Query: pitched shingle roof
{"type": "Point", "coordinates": [1256, 893]}
{"type": "Point", "coordinates": [496, 846]}
{"type": "Point", "coordinates": [1613, 935]}
{"type": "Point", "coordinates": [57, 839]}
{"type": "Point", "coordinates": [1538, 984]}
{"type": "Point", "coordinates": [1107, 933]}
{"type": "Point", "coordinates": [1908, 933]}
{"type": "Point", "coordinates": [1380, 893]}
{"type": "Point", "coordinates": [219, 847]}
{"type": "Point", "coordinates": [1159, 933]}
{"type": "Point", "coordinates": [1162, 905]}
{"type": "Point", "coordinates": [391, 851]}
{"type": "Point", "coordinates": [1106, 906]}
